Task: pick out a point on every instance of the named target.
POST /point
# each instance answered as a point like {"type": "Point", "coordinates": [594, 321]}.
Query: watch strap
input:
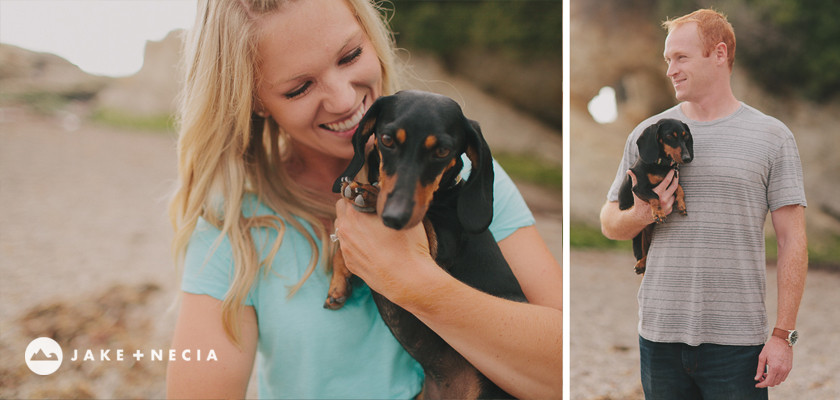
{"type": "Point", "coordinates": [782, 334]}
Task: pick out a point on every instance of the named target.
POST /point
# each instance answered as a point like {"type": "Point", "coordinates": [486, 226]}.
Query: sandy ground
{"type": "Point", "coordinates": [604, 336]}
{"type": "Point", "coordinates": [84, 242]}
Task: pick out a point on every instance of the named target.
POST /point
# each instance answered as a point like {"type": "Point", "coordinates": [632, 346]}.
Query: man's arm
{"type": "Point", "coordinates": [792, 266]}
{"type": "Point", "coordinates": [619, 224]}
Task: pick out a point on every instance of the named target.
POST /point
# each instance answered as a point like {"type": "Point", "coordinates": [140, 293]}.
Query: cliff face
{"type": "Point", "coordinates": [152, 90]}
{"type": "Point", "coordinates": [24, 73]}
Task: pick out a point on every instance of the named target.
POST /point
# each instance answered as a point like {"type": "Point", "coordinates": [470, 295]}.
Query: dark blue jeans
{"type": "Point", "coordinates": [709, 371]}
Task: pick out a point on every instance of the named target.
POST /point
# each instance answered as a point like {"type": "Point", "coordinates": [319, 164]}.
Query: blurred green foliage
{"type": "Point", "coordinates": [519, 30]}
{"type": "Point", "coordinates": [124, 119]}
{"type": "Point", "coordinates": [823, 253]}
{"type": "Point", "coordinates": [530, 168]}
{"type": "Point", "coordinates": [582, 236]}
{"type": "Point", "coordinates": [791, 47]}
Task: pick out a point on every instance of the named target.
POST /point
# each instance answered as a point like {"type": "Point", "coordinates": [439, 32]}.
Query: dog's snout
{"type": "Point", "coordinates": [686, 157]}
{"type": "Point", "coordinates": [397, 212]}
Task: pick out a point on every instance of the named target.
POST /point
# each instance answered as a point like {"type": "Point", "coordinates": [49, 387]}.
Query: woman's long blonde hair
{"type": "Point", "coordinates": [225, 150]}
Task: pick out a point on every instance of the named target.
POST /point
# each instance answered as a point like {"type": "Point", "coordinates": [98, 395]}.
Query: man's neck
{"type": "Point", "coordinates": [711, 108]}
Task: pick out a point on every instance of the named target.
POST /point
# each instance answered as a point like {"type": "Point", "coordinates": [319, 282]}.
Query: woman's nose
{"type": "Point", "coordinates": [340, 95]}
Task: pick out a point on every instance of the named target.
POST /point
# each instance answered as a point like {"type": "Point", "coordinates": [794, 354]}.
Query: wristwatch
{"type": "Point", "coordinates": [789, 336]}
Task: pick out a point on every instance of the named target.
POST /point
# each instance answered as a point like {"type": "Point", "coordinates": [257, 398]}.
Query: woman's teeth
{"type": "Point", "coordinates": [346, 124]}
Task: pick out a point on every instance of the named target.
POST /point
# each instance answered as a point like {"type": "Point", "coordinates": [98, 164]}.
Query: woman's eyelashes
{"type": "Point", "coordinates": [346, 60]}
{"type": "Point", "coordinates": [350, 57]}
{"type": "Point", "coordinates": [299, 90]}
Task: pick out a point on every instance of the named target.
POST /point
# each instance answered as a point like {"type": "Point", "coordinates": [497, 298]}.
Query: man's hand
{"type": "Point", "coordinates": [619, 224]}
{"type": "Point", "coordinates": [777, 359]}
{"type": "Point", "coordinates": [665, 190]}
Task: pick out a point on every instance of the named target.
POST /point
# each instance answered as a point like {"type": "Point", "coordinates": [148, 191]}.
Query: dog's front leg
{"type": "Point", "coordinates": [339, 284]}
{"type": "Point", "coordinates": [363, 198]}
{"type": "Point", "coordinates": [679, 197]}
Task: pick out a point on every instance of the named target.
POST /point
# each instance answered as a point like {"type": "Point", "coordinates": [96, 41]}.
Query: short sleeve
{"type": "Point", "coordinates": [786, 184]}
{"type": "Point", "coordinates": [208, 265]}
{"type": "Point", "coordinates": [510, 212]}
{"type": "Point", "coordinates": [631, 153]}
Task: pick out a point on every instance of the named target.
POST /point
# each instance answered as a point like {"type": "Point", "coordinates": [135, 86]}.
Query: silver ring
{"type": "Point", "coordinates": [334, 236]}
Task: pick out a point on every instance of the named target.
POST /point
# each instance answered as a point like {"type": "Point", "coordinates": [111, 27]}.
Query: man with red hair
{"type": "Point", "coordinates": [703, 329]}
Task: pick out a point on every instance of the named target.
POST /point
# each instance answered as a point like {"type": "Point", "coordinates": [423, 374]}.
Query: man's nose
{"type": "Point", "coordinates": [671, 70]}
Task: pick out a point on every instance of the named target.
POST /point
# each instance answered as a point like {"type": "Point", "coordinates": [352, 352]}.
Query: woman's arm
{"type": "Point", "coordinates": [199, 328]}
{"type": "Point", "coordinates": [517, 345]}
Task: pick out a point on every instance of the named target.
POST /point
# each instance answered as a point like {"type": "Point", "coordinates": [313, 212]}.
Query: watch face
{"type": "Point", "coordinates": [794, 336]}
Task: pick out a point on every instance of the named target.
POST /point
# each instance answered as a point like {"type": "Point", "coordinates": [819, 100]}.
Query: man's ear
{"type": "Point", "coordinates": [721, 53]}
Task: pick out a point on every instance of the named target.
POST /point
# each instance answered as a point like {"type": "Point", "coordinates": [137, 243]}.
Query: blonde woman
{"type": "Point", "coordinates": [273, 93]}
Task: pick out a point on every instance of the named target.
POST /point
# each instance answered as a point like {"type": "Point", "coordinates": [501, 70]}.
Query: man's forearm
{"type": "Point", "coordinates": [619, 224]}
{"type": "Point", "coordinates": [792, 264]}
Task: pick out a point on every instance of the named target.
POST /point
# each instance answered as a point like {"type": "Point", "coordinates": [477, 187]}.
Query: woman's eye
{"type": "Point", "coordinates": [387, 141]}
{"type": "Point", "coordinates": [299, 91]}
{"type": "Point", "coordinates": [349, 58]}
{"type": "Point", "coordinates": [441, 152]}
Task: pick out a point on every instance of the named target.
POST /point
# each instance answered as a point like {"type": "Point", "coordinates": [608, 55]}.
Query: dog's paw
{"type": "Point", "coordinates": [362, 196]}
{"type": "Point", "coordinates": [338, 295]}
{"type": "Point", "coordinates": [334, 303]}
{"type": "Point", "coordinates": [640, 267]}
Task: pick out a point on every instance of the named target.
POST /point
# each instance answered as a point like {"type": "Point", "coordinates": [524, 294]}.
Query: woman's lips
{"type": "Point", "coordinates": [347, 125]}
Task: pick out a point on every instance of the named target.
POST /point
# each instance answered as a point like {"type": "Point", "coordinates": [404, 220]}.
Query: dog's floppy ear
{"type": "Point", "coordinates": [360, 139]}
{"type": "Point", "coordinates": [648, 144]}
{"type": "Point", "coordinates": [689, 142]}
{"type": "Point", "coordinates": [475, 203]}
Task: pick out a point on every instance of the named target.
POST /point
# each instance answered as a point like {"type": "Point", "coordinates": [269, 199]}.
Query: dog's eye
{"type": "Point", "coordinates": [387, 141]}
{"type": "Point", "coordinates": [442, 152]}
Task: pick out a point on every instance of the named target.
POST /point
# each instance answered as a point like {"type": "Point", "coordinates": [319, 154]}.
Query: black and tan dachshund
{"type": "Point", "coordinates": [663, 146]}
{"type": "Point", "coordinates": [411, 176]}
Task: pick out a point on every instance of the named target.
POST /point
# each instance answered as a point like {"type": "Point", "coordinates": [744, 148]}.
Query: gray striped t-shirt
{"type": "Point", "coordinates": [705, 279]}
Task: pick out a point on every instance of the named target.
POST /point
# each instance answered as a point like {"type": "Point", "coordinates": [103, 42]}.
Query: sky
{"type": "Point", "coordinates": [102, 37]}
{"type": "Point", "coordinates": [108, 37]}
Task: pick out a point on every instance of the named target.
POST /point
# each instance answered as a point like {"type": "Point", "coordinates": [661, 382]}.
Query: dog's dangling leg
{"type": "Point", "coordinates": [656, 209]}
{"type": "Point", "coordinates": [363, 198]}
{"type": "Point", "coordinates": [679, 197]}
{"type": "Point", "coordinates": [340, 287]}
{"type": "Point", "coordinates": [432, 236]}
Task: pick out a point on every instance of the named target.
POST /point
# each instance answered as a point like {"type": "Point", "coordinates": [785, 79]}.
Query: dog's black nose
{"type": "Point", "coordinates": [397, 212]}
{"type": "Point", "coordinates": [686, 157]}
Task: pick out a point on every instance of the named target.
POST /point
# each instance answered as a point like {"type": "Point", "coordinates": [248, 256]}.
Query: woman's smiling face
{"type": "Point", "coordinates": [318, 74]}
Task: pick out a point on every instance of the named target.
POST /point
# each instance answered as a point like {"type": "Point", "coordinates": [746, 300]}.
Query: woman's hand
{"type": "Point", "coordinates": [387, 260]}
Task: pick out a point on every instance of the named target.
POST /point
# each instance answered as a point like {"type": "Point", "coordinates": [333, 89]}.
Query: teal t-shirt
{"type": "Point", "coordinates": [304, 350]}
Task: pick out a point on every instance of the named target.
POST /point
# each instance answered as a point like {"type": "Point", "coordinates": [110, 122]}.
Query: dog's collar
{"type": "Point", "coordinates": [455, 182]}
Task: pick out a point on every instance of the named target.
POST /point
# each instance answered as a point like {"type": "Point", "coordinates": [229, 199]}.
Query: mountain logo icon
{"type": "Point", "coordinates": [43, 356]}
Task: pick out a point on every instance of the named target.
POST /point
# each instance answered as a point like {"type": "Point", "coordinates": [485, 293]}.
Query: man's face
{"type": "Point", "coordinates": [693, 75]}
